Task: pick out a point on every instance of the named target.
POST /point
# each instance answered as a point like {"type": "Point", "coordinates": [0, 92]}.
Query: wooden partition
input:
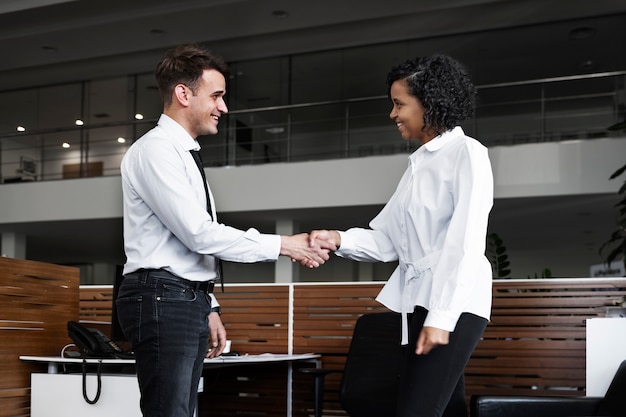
{"type": "Point", "coordinates": [36, 302]}
{"type": "Point", "coordinates": [534, 344]}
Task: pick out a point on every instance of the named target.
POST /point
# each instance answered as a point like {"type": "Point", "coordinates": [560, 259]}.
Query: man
{"type": "Point", "coordinates": [173, 243]}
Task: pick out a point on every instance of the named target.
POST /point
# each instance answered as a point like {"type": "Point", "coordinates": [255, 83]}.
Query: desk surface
{"type": "Point", "coordinates": [220, 360]}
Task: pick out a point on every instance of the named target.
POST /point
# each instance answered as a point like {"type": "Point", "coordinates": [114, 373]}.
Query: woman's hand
{"type": "Point", "coordinates": [430, 338]}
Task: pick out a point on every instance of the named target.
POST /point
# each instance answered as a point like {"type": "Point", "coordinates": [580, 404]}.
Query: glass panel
{"type": "Point", "coordinates": [14, 150]}
{"type": "Point", "coordinates": [364, 69]}
{"type": "Point", "coordinates": [318, 132]}
{"type": "Point", "coordinates": [147, 99]}
{"type": "Point", "coordinates": [55, 156]}
{"type": "Point", "coordinates": [371, 130]}
{"type": "Point", "coordinates": [259, 83]}
{"type": "Point", "coordinates": [509, 115]}
{"type": "Point", "coordinates": [587, 113]}
{"type": "Point", "coordinates": [18, 108]}
{"type": "Point", "coordinates": [108, 101]}
{"type": "Point", "coordinates": [107, 148]}
{"type": "Point", "coordinates": [316, 77]}
{"type": "Point", "coordinates": [60, 106]}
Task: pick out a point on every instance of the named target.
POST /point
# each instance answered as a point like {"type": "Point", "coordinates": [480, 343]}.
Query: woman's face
{"type": "Point", "coordinates": [408, 113]}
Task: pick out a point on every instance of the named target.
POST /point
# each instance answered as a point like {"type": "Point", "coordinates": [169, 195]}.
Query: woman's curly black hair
{"type": "Point", "coordinates": [443, 87]}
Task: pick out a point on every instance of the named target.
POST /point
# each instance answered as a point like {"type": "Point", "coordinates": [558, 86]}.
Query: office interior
{"type": "Point", "coordinates": [308, 142]}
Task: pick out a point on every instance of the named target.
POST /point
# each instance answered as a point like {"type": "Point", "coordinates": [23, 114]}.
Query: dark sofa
{"type": "Point", "coordinates": [613, 404]}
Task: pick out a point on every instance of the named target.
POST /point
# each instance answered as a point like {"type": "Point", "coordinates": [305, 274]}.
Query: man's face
{"type": "Point", "coordinates": [207, 104]}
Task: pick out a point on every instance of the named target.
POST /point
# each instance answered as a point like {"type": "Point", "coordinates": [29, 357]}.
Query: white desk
{"type": "Point", "coordinates": [54, 361]}
{"type": "Point", "coordinates": [60, 394]}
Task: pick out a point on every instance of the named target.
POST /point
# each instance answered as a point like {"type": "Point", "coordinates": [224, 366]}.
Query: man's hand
{"type": "Point", "coordinates": [430, 338]}
{"type": "Point", "coordinates": [217, 337]}
{"type": "Point", "coordinates": [298, 248]}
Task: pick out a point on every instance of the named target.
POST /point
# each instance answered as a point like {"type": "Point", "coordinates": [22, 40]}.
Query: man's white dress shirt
{"type": "Point", "coordinates": [166, 223]}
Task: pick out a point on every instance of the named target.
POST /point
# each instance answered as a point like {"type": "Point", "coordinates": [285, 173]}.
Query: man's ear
{"type": "Point", "coordinates": [181, 94]}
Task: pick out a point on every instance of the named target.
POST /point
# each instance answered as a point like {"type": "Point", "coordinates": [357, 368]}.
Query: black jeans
{"type": "Point", "coordinates": [433, 385]}
{"type": "Point", "coordinates": [167, 325]}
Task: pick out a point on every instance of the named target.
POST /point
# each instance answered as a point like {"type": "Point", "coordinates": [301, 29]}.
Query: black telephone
{"type": "Point", "coordinates": [94, 344]}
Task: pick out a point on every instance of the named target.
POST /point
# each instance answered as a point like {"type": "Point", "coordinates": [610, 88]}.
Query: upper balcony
{"type": "Point", "coordinates": [582, 107]}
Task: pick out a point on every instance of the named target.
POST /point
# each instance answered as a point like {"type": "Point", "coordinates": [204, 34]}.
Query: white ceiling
{"type": "Point", "coordinates": [50, 42]}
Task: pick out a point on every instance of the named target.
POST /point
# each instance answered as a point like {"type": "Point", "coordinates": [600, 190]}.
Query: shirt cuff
{"type": "Point", "coordinates": [268, 245]}
{"type": "Point", "coordinates": [347, 243]}
{"type": "Point", "coordinates": [445, 320]}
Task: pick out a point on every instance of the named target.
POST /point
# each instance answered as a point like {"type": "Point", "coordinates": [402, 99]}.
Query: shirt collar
{"type": "Point", "coordinates": [178, 133]}
{"type": "Point", "coordinates": [440, 141]}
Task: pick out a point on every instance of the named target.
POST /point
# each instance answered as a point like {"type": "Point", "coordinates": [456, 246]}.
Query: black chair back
{"type": "Point", "coordinates": [613, 403]}
{"type": "Point", "coordinates": [370, 378]}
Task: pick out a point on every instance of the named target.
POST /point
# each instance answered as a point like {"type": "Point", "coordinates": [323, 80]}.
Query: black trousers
{"type": "Point", "coordinates": [433, 385]}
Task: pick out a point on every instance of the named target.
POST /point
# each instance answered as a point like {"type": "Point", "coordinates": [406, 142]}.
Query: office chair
{"type": "Point", "coordinates": [370, 376]}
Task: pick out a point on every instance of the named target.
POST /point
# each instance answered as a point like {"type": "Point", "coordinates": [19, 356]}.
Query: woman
{"type": "Point", "coordinates": [435, 226]}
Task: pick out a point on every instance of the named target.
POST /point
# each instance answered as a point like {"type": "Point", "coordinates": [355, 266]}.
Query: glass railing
{"type": "Point", "coordinates": [557, 109]}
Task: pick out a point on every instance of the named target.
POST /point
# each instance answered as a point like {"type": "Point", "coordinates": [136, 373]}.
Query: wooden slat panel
{"type": "Point", "coordinates": [535, 342]}
{"type": "Point", "coordinates": [256, 317]}
{"type": "Point", "coordinates": [36, 302]}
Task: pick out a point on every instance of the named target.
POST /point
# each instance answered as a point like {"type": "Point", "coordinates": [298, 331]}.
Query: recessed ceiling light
{"type": "Point", "coordinates": [79, 122]}
{"type": "Point", "coordinates": [583, 32]}
{"type": "Point", "coordinates": [121, 140]}
{"type": "Point", "coordinates": [588, 65]}
{"type": "Point", "coordinates": [281, 14]}
{"type": "Point", "coordinates": [21, 129]}
{"type": "Point", "coordinates": [139, 116]}
{"type": "Point", "coordinates": [66, 145]}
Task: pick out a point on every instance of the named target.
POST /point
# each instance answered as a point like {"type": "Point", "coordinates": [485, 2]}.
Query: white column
{"type": "Point", "coordinates": [285, 270]}
{"type": "Point", "coordinates": [13, 245]}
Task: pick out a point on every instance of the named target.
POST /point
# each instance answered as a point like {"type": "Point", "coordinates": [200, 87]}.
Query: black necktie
{"type": "Point", "coordinates": [198, 159]}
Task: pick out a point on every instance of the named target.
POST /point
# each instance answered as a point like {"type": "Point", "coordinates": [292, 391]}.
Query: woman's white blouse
{"type": "Point", "coordinates": [435, 225]}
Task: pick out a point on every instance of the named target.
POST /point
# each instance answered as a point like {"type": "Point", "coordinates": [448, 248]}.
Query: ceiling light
{"type": "Point", "coordinates": [79, 122]}
{"type": "Point", "coordinates": [583, 32]}
{"type": "Point", "coordinates": [66, 145]}
{"type": "Point", "coordinates": [588, 65]}
{"type": "Point", "coordinates": [139, 116]}
{"type": "Point", "coordinates": [21, 129]}
{"type": "Point", "coordinates": [281, 14]}
{"type": "Point", "coordinates": [121, 140]}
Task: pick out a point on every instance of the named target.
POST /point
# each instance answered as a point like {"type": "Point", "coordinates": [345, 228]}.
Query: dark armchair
{"type": "Point", "coordinates": [613, 404]}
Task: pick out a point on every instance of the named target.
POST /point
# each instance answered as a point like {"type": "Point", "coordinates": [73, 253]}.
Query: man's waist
{"type": "Point", "coordinates": [204, 286]}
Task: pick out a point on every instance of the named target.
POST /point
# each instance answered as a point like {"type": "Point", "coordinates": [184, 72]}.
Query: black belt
{"type": "Point", "coordinates": [203, 286]}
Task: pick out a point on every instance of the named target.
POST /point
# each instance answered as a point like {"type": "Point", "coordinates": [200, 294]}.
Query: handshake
{"type": "Point", "coordinates": [310, 249]}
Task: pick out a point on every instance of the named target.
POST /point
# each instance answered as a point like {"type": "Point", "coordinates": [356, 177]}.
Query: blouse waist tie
{"type": "Point", "coordinates": [412, 271]}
